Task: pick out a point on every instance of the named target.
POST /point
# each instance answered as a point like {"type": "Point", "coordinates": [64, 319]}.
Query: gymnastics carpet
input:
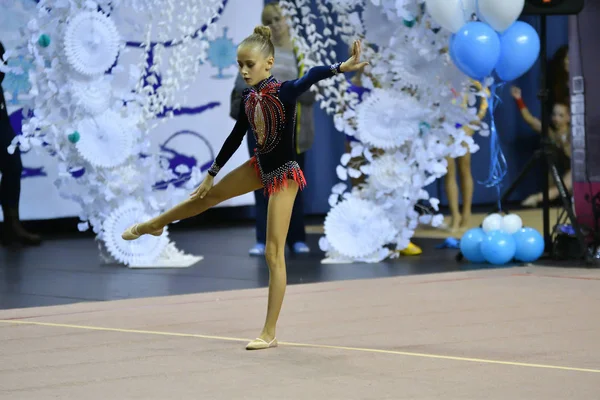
{"type": "Point", "coordinates": [509, 333]}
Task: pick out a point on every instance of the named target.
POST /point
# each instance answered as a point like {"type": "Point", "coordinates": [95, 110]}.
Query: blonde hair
{"type": "Point", "coordinates": [261, 39]}
{"type": "Point", "coordinates": [271, 7]}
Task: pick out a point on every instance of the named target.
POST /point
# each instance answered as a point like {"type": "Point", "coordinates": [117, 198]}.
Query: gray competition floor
{"type": "Point", "coordinates": [422, 327]}
{"type": "Point", "coordinates": [68, 270]}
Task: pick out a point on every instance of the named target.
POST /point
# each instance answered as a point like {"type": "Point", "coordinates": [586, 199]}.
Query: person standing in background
{"type": "Point", "coordinates": [286, 68]}
{"type": "Point", "coordinates": [10, 181]}
{"type": "Point", "coordinates": [462, 221]}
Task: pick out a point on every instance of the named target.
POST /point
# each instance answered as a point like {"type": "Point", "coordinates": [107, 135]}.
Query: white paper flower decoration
{"type": "Point", "coordinates": [91, 43]}
{"type": "Point", "coordinates": [140, 252]}
{"type": "Point", "coordinates": [104, 140]}
{"type": "Point", "coordinates": [387, 119]}
{"type": "Point", "coordinates": [96, 127]}
{"type": "Point", "coordinates": [357, 228]}
{"type": "Point", "coordinates": [390, 171]}
{"type": "Point", "coordinates": [378, 29]}
{"type": "Point", "coordinates": [409, 115]}
{"type": "Point", "coordinates": [93, 96]}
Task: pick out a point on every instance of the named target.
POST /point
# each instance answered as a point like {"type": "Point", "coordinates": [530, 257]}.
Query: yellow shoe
{"type": "Point", "coordinates": [411, 250]}
{"type": "Point", "coordinates": [260, 344]}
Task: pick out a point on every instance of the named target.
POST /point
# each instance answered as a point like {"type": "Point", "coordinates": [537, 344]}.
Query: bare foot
{"type": "Point", "coordinates": [465, 221]}
{"type": "Point", "coordinates": [454, 223]}
{"type": "Point", "coordinates": [531, 201]}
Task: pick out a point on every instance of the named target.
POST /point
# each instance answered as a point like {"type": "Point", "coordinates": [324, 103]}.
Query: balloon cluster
{"type": "Point", "coordinates": [500, 240]}
{"type": "Point", "coordinates": [497, 42]}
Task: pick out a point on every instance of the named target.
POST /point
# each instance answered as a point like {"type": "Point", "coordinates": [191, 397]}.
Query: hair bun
{"type": "Point", "coordinates": [263, 31]}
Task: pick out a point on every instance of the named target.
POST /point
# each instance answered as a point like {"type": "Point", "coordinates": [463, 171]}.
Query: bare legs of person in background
{"type": "Point", "coordinates": [240, 181]}
{"type": "Point", "coordinates": [458, 220]}
{"type": "Point", "coordinates": [536, 199]}
{"type": "Point", "coordinates": [559, 133]}
{"type": "Point", "coordinates": [461, 221]}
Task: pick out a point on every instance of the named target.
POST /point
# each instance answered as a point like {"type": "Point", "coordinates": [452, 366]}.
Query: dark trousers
{"type": "Point", "coordinates": [297, 231]}
{"type": "Point", "coordinates": [10, 168]}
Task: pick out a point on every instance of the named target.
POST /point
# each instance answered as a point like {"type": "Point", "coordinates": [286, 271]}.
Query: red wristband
{"type": "Point", "coordinates": [521, 104]}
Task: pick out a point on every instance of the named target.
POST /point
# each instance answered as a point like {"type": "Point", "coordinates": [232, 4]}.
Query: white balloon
{"type": "Point", "coordinates": [500, 15]}
{"type": "Point", "coordinates": [492, 222]}
{"type": "Point", "coordinates": [447, 13]}
{"type": "Point", "coordinates": [469, 8]}
{"type": "Point", "coordinates": [511, 223]}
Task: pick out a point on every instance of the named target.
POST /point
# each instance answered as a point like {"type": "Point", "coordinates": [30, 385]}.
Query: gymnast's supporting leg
{"type": "Point", "coordinates": [278, 222]}
{"type": "Point", "coordinates": [240, 181]}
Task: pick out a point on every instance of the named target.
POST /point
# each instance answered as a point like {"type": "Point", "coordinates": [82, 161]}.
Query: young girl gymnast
{"type": "Point", "coordinates": [559, 133]}
{"type": "Point", "coordinates": [269, 107]}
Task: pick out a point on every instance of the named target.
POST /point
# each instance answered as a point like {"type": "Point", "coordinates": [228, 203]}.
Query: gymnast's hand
{"type": "Point", "coordinates": [353, 63]}
{"type": "Point", "coordinates": [203, 189]}
{"type": "Point", "coordinates": [515, 92]}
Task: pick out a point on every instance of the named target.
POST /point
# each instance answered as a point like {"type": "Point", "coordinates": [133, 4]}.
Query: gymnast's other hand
{"type": "Point", "coordinates": [354, 63]}
{"type": "Point", "coordinates": [515, 92]}
{"type": "Point", "coordinates": [203, 189]}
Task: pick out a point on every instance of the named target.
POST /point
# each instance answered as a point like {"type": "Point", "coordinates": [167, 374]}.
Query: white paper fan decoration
{"type": "Point", "coordinates": [93, 96]}
{"type": "Point", "coordinates": [357, 228]}
{"type": "Point", "coordinates": [140, 252]}
{"type": "Point", "coordinates": [91, 43]}
{"type": "Point", "coordinates": [386, 120]}
{"type": "Point", "coordinates": [378, 29]}
{"type": "Point", "coordinates": [129, 180]}
{"type": "Point", "coordinates": [105, 141]}
{"type": "Point", "coordinates": [390, 172]}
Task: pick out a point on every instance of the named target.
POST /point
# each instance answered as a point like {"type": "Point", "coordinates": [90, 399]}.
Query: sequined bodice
{"type": "Point", "coordinates": [269, 110]}
{"type": "Point", "coordinates": [266, 113]}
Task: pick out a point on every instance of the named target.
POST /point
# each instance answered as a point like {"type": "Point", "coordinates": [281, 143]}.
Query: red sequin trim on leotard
{"type": "Point", "coordinates": [278, 179]}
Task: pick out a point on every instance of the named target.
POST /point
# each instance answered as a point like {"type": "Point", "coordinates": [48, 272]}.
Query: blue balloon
{"type": "Point", "coordinates": [498, 247]}
{"type": "Point", "coordinates": [470, 245]}
{"type": "Point", "coordinates": [530, 245]}
{"type": "Point", "coordinates": [450, 49]}
{"type": "Point", "coordinates": [475, 50]}
{"type": "Point", "coordinates": [519, 49]}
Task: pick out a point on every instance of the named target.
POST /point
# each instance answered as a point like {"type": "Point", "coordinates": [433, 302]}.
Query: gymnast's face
{"type": "Point", "coordinates": [254, 65]}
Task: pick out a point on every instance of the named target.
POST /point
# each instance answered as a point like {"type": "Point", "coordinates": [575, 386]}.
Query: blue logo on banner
{"type": "Point", "coordinates": [222, 54]}
{"type": "Point", "coordinates": [17, 84]}
{"type": "Point", "coordinates": [181, 164]}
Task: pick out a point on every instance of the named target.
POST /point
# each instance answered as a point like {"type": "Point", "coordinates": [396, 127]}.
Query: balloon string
{"type": "Point", "coordinates": [498, 165]}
